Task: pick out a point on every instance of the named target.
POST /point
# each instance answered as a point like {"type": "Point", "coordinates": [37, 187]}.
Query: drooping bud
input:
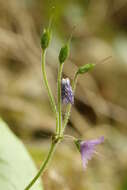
{"type": "Point", "coordinates": [64, 52]}
{"type": "Point", "coordinates": [45, 38]}
{"type": "Point", "coordinates": [85, 68]}
{"type": "Point", "coordinates": [67, 94]}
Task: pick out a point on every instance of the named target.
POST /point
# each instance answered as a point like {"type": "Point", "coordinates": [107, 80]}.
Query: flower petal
{"type": "Point", "coordinates": [86, 154]}
{"type": "Point", "coordinates": [87, 149]}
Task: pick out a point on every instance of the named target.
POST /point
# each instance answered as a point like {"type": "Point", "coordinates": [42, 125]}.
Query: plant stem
{"type": "Point", "coordinates": [52, 101]}
{"type": "Point", "coordinates": [68, 110]}
{"type": "Point", "coordinates": [51, 98]}
{"type": "Point", "coordinates": [70, 137]}
{"type": "Point", "coordinates": [59, 96]}
{"type": "Point", "coordinates": [43, 166]}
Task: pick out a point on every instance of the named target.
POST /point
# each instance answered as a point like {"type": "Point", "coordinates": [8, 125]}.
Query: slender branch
{"type": "Point", "coordinates": [51, 98]}
{"type": "Point", "coordinates": [57, 138]}
{"type": "Point", "coordinates": [70, 137]}
{"type": "Point", "coordinates": [59, 96]}
{"type": "Point", "coordinates": [68, 110]}
{"type": "Point", "coordinates": [43, 166]}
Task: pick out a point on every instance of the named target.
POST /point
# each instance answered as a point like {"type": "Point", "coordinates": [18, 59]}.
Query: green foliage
{"type": "Point", "coordinates": [16, 166]}
{"type": "Point", "coordinates": [64, 52]}
{"type": "Point", "coordinates": [85, 68]}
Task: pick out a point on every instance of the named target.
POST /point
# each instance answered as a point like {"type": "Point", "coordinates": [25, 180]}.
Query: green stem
{"type": "Point", "coordinates": [68, 110]}
{"type": "Point", "coordinates": [59, 96]}
{"type": "Point", "coordinates": [51, 98]}
{"type": "Point", "coordinates": [70, 137]}
{"type": "Point", "coordinates": [43, 166]}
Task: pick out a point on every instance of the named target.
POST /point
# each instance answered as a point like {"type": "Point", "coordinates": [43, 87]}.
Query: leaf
{"type": "Point", "coordinates": [16, 167]}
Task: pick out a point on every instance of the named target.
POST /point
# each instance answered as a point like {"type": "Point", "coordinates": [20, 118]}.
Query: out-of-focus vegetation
{"type": "Point", "coordinates": [13, 161]}
{"type": "Point", "coordinates": [100, 101]}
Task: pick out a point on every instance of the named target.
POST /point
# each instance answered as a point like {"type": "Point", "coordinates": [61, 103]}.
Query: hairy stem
{"type": "Point", "coordinates": [51, 98]}
{"type": "Point", "coordinates": [59, 96]}
{"type": "Point", "coordinates": [43, 166]}
{"type": "Point", "coordinates": [68, 110]}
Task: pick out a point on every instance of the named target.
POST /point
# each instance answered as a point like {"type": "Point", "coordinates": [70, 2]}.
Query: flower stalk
{"type": "Point", "coordinates": [81, 70]}
{"type": "Point", "coordinates": [58, 131]}
{"type": "Point", "coordinates": [51, 98]}
{"type": "Point", "coordinates": [44, 164]}
{"type": "Point", "coordinates": [64, 52]}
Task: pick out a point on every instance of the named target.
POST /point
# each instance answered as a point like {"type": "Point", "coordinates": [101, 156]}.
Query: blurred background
{"type": "Point", "coordinates": [101, 96]}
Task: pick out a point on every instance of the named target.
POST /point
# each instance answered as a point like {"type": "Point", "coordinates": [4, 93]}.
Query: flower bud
{"type": "Point", "coordinates": [67, 94]}
{"type": "Point", "coordinates": [85, 68]}
{"type": "Point", "coordinates": [45, 39]}
{"type": "Point", "coordinates": [64, 52]}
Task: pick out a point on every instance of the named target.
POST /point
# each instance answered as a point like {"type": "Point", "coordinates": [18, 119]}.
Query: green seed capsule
{"type": "Point", "coordinates": [45, 39]}
{"type": "Point", "coordinates": [64, 52]}
{"type": "Point", "coordinates": [77, 143]}
{"type": "Point", "coordinates": [85, 68]}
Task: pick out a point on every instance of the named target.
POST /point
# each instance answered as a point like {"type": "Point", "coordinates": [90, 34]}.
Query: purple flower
{"type": "Point", "coordinates": [87, 149]}
{"type": "Point", "coordinates": [66, 92]}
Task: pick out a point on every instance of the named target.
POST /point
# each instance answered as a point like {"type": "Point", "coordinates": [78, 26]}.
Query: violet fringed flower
{"type": "Point", "coordinates": [87, 149]}
{"type": "Point", "coordinates": [66, 92]}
